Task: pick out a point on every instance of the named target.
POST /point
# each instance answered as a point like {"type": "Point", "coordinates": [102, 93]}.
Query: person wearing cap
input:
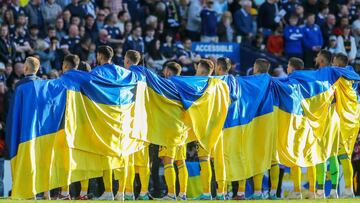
{"type": "Point", "coordinates": [208, 23]}
{"type": "Point", "coordinates": [333, 45]}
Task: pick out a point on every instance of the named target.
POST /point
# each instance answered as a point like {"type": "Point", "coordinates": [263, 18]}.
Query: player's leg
{"type": "Point", "coordinates": [84, 190]}
{"type": "Point", "coordinates": [107, 179]}
{"type": "Point", "coordinates": [219, 166]}
{"type": "Point", "coordinates": [334, 176]}
{"type": "Point", "coordinates": [274, 179]}
{"type": "Point", "coordinates": [65, 194]}
{"type": "Point", "coordinates": [205, 173]}
{"type": "Point", "coordinates": [240, 195]}
{"type": "Point", "coordinates": [311, 173]}
{"type": "Point", "coordinates": [183, 175]}
{"type": "Point", "coordinates": [129, 186]}
{"type": "Point", "coordinates": [144, 173]}
{"type": "Point", "coordinates": [295, 173]}
{"type": "Point", "coordinates": [258, 178]}
{"type": "Point", "coordinates": [167, 154]}
{"type": "Point", "coordinates": [320, 177]}
{"type": "Point", "coordinates": [348, 176]}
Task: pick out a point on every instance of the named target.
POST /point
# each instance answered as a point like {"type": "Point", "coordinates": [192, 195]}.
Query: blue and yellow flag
{"type": "Point", "coordinates": [292, 121]}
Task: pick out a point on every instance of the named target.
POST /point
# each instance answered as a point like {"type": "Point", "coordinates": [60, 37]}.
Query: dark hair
{"type": "Point", "coordinates": [88, 16]}
{"type": "Point", "coordinates": [84, 66]}
{"type": "Point", "coordinates": [296, 63]}
{"type": "Point", "coordinates": [106, 51]}
{"type": "Point", "coordinates": [326, 55]}
{"type": "Point", "coordinates": [263, 65]}
{"type": "Point", "coordinates": [224, 63]}
{"type": "Point", "coordinates": [310, 14]}
{"type": "Point", "coordinates": [135, 27]}
{"type": "Point", "coordinates": [342, 58]}
{"type": "Point", "coordinates": [174, 67]}
{"type": "Point", "coordinates": [121, 13]}
{"type": "Point", "coordinates": [133, 56]}
{"type": "Point", "coordinates": [153, 52]}
{"type": "Point", "coordinates": [72, 60]}
{"type": "Point", "coordinates": [207, 63]}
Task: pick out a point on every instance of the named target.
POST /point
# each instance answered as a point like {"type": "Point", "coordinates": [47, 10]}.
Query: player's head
{"type": "Point", "coordinates": [205, 67]}
{"type": "Point", "coordinates": [132, 57]}
{"type": "Point", "coordinates": [171, 69]}
{"type": "Point", "coordinates": [323, 58]}
{"type": "Point", "coordinates": [295, 64]}
{"type": "Point", "coordinates": [261, 66]}
{"type": "Point", "coordinates": [31, 65]}
{"type": "Point", "coordinates": [104, 54]}
{"type": "Point", "coordinates": [223, 66]}
{"type": "Point", "coordinates": [340, 60]}
{"type": "Point", "coordinates": [70, 62]}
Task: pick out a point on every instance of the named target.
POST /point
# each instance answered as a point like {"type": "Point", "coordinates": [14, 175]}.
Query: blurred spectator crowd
{"type": "Point", "coordinates": [164, 30]}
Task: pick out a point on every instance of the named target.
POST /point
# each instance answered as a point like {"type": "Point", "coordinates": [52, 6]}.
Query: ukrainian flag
{"type": "Point", "coordinates": [287, 120]}
{"type": "Point", "coordinates": [73, 128]}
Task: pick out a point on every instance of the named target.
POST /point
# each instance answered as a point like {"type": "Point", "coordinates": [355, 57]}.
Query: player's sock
{"type": "Point", "coordinates": [241, 189]}
{"type": "Point", "coordinates": [296, 178]}
{"type": "Point", "coordinates": [348, 172]}
{"type": "Point", "coordinates": [84, 187]}
{"type": "Point", "coordinates": [258, 182]}
{"type": "Point", "coordinates": [274, 177]}
{"type": "Point", "coordinates": [144, 174]}
{"type": "Point", "coordinates": [170, 178]}
{"type": "Point", "coordinates": [65, 190]}
{"type": "Point", "coordinates": [311, 172]}
{"type": "Point", "coordinates": [107, 178]}
{"type": "Point", "coordinates": [320, 175]}
{"type": "Point", "coordinates": [220, 187]}
{"type": "Point", "coordinates": [183, 177]}
{"type": "Point", "coordinates": [122, 173]}
{"type": "Point", "coordinates": [129, 186]}
{"type": "Point", "coordinates": [205, 175]}
{"type": "Point", "coordinates": [334, 171]}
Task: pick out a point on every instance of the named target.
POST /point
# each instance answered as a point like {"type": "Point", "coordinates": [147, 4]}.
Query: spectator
{"type": "Point", "coordinates": [134, 41]}
{"type": "Point", "coordinates": [293, 39]}
{"type": "Point", "coordinates": [51, 33]}
{"type": "Point", "coordinates": [225, 30]}
{"type": "Point", "coordinates": [208, 23]}
{"type": "Point", "coordinates": [100, 19]}
{"type": "Point", "coordinates": [103, 38]}
{"type": "Point", "coordinates": [21, 44]}
{"type": "Point", "coordinates": [347, 45]}
{"type": "Point", "coordinates": [187, 57]}
{"type": "Point", "coordinates": [168, 49]}
{"type": "Point", "coordinates": [173, 21]}
{"type": "Point", "coordinates": [53, 74]}
{"type": "Point", "coordinates": [33, 11]}
{"type": "Point", "coordinates": [113, 31]}
{"type": "Point", "coordinates": [75, 20]}
{"type": "Point", "coordinates": [128, 28]}
{"type": "Point", "coordinates": [300, 14]}
{"type": "Point", "coordinates": [76, 9]}
{"type": "Point", "coordinates": [16, 8]}
{"type": "Point", "coordinates": [118, 58]}
{"type": "Point", "coordinates": [266, 16]}
{"type": "Point", "coordinates": [91, 30]}
{"type": "Point", "coordinates": [339, 30]}
{"type": "Point", "coordinates": [9, 19]}
{"type": "Point", "coordinates": [333, 45]}
{"type": "Point", "coordinates": [16, 74]}
{"type": "Point", "coordinates": [46, 55]}
{"type": "Point", "coordinates": [83, 66]}
{"type": "Point", "coordinates": [328, 27]}
{"type": "Point", "coordinates": [149, 36]}
{"type": "Point", "coordinates": [50, 11]}
{"type": "Point", "coordinates": [193, 24]}
{"type": "Point", "coordinates": [123, 16]}
{"type": "Point", "coordinates": [152, 21]}
{"type": "Point", "coordinates": [322, 15]}
{"type": "Point", "coordinates": [89, 7]}
{"type": "Point", "coordinates": [69, 42]}
{"type": "Point", "coordinates": [60, 31]}
{"type": "Point", "coordinates": [220, 6]}
{"type": "Point", "coordinates": [243, 20]}
{"type": "Point", "coordinates": [83, 50]}
{"type": "Point", "coordinates": [290, 8]}
{"type": "Point", "coordinates": [312, 39]}
{"type": "Point", "coordinates": [154, 58]}
{"type": "Point", "coordinates": [275, 43]}
{"type": "Point", "coordinates": [310, 6]}
{"type": "Point", "coordinates": [66, 16]}
{"type": "Point", "coordinates": [7, 48]}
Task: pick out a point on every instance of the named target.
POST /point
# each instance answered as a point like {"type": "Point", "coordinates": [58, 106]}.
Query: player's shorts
{"type": "Point", "coordinates": [141, 158]}
{"type": "Point", "coordinates": [178, 153]}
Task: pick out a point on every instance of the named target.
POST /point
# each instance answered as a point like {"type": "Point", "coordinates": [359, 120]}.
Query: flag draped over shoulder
{"type": "Point", "coordinates": [292, 121]}
{"type": "Point", "coordinates": [73, 128]}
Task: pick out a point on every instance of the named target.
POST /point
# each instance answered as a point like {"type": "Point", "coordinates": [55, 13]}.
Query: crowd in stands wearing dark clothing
{"type": "Point", "coordinates": [164, 30]}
